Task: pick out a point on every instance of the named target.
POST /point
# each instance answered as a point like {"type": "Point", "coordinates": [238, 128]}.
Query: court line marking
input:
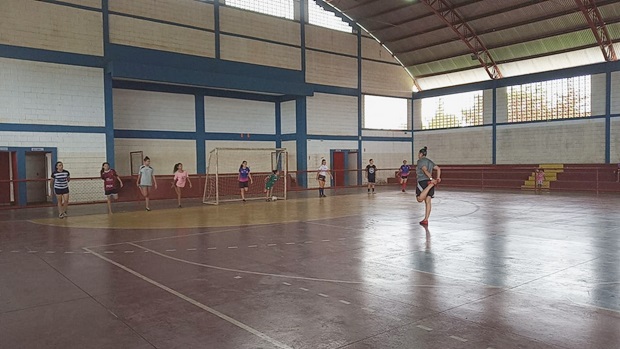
{"type": "Point", "coordinates": [146, 249]}
{"type": "Point", "coordinates": [195, 302]}
{"type": "Point", "coordinates": [424, 328]}
{"type": "Point", "coordinates": [459, 338]}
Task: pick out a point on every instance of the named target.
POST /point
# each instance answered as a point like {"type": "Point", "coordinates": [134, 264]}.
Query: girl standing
{"type": "Point", "coordinates": [403, 173]}
{"type": "Point", "coordinates": [425, 189]}
{"type": "Point", "coordinates": [321, 175]}
{"type": "Point", "coordinates": [371, 171]}
{"type": "Point", "coordinates": [146, 179]}
{"type": "Point", "coordinates": [110, 178]}
{"type": "Point", "coordinates": [180, 177]}
{"type": "Point", "coordinates": [60, 183]}
{"type": "Point", "coordinates": [540, 179]}
{"type": "Point", "coordinates": [244, 178]}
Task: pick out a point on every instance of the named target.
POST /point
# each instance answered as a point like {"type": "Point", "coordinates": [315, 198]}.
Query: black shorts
{"type": "Point", "coordinates": [404, 177]}
{"type": "Point", "coordinates": [61, 191]}
{"type": "Point", "coordinates": [244, 185]}
{"type": "Point", "coordinates": [371, 179]}
{"type": "Point", "coordinates": [111, 192]}
{"type": "Point", "coordinates": [421, 186]}
{"type": "Point", "coordinates": [321, 178]}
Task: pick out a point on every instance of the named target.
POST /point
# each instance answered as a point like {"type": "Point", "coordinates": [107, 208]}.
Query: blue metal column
{"type": "Point", "coordinates": [108, 91]}
{"type": "Point", "coordinates": [278, 124]}
{"type": "Point", "coordinates": [608, 116]}
{"type": "Point", "coordinates": [494, 140]}
{"type": "Point", "coordinates": [201, 151]}
{"type": "Point", "coordinates": [301, 140]}
{"type": "Point", "coordinates": [216, 18]}
{"type": "Point", "coordinates": [360, 106]}
{"type": "Point", "coordinates": [22, 199]}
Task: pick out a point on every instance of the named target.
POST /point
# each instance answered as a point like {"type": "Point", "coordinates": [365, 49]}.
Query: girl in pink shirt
{"type": "Point", "coordinates": [540, 178]}
{"type": "Point", "coordinates": [180, 178]}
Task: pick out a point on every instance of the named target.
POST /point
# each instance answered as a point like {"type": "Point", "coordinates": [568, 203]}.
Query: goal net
{"type": "Point", "coordinates": [222, 183]}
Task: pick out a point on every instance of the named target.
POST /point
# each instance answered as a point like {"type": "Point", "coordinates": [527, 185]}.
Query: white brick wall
{"type": "Point", "coordinates": [332, 115]}
{"type": "Point", "coordinates": [229, 161]}
{"type": "Point", "coordinates": [50, 94]}
{"type": "Point", "coordinates": [386, 155]}
{"type": "Point", "coordinates": [615, 140]}
{"type": "Point", "coordinates": [373, 50]}
{"type": "Point", "coordinates": [144, 110]}
{"type": "Point", "coordinates": [417, 114]}
{"type": "Point", "coordinates": [615, 92]}
{"type": "Point", "coordinates": [49, 26]}
{"type": "Point", "coordinates": [159, 36]}
{"type": "Point", "coordinates": [259, 52]}
{"type": "Point", "coordinates": [502, 105]}
{"type": "Point", "coordinates": [456, 146]}
{"type": "Point", "coordinates": [81, 153]}
{"type": "Point", "coordinates": [291, 147]}
{"type": "Point", "coordinates": [289, 117]}
{"type": "Point", "coordinates": [386, 133]}
{"type": "Point", "coordinates": [386, 79]}
{"type": "Point", "coordinates": [188, 12]}
{"type": "Point", "coordinates": [164, 153]}
{"type": "Point", "coordinates": [328, 69]}
{"type": "Point", "coordinates": [239, 116]}
{"type": "Point", "coordinates": [331, 40]}
{"type": "Point", "coordinates": [487, 108]}
{"type": "Point", "coordinates": [571, 141]}
{"type": "Point", "coordinates": [87, 3]}
{"type": "Point", "coordinates": [258, 25]}
{"type": "Point", "coordinates": [598, 94]}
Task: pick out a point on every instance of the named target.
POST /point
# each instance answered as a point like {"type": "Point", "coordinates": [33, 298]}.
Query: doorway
{"type": "Point", "coordinates": [38, 171]}
{"type": "Point", "coordinates": [8, 169]}
{"type": "Point", "coordinates": [344, 167]}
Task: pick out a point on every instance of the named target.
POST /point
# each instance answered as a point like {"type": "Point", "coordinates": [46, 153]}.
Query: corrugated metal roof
{"type": "Point", "coordinates": [512, 30]}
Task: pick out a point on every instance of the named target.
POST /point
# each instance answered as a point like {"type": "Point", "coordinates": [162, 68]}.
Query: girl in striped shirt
{"type": "Point", "coordinates": [60, 184]}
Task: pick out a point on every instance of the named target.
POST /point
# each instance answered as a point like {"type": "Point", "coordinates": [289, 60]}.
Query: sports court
{"type": "Point", "coordinates": [309, 174]}
{"type": "Point", "coordinates": [315, 274]}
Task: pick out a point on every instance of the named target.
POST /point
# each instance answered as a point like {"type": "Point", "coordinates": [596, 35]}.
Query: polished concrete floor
{"type": "Point", "coordinates": [356, 271]}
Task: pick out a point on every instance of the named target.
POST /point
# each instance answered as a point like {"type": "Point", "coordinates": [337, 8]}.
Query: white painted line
{"type": "Point", "coordinates": [308, 242]}
{"type": "Point", "coordinates": [86, 252]}
{"type": "Point", "coordinates": [50, 251]}
{"type": "Point", "coordinates": [171, 250]}
{"type": "Point", "coordinates": [211, 248]}
{"type": "Point", "coordinates": [69, 252]}
{"type": "Point", "coordinates": [169, 237]}
{"type": "Point", "coordinates": [231, 247]}
{"type": "Point", "coordinates": [237, 277]}
{"type": "Point", "coordinates": [290, 243]}
{"type": "Point", "coordinates": [129, 251]}
{"type": "Point", "coordinates": [424, 328]}
{"type": "Point", "coordinates": [459, 338]}
{"type": "Point", "coordinates": [108, 252]}
{"type": "Point", "coordinates": [270, 245]}
{"type": "Point", "coordinates": [323, 295]}
{"type": "Point", "coordinates": [304, 289]}
{"type": "Point", "coordinates": [344, 302]}
{"type": "Point", "coordinates": [242, 271]}
{"type": "Point", "coordinates": [197, 304]}
{"type": "Point", "coordinates": [191, 249]}
{"type": "Point", "coordinates": [286, 283]}
{"type": "Point", "coordinates": [14, 251]}
{"type": "Point", "coordinates": [146, 251]}
{"type": "Point", "coordinates": [326, 240]}
{"type": "Point", "coordinates": [252, 246]}
{"type": "Point", "coordinates": [369, 310]}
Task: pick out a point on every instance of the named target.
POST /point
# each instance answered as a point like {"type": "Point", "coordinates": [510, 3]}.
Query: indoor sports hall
{"type": "Point", "coordinates": [320, 174]}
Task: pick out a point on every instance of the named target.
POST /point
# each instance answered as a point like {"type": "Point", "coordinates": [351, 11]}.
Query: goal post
{"type": "Point", "coordinates": [222, 180]}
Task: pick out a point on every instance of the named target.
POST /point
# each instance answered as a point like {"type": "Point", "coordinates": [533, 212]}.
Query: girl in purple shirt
{"type": "Point", "coordinates": [244, 178]}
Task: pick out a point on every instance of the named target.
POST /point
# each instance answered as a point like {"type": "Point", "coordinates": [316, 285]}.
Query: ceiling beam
{"type": "Point", "coordinates": [461, 28]}
{"type": "Point", "coordinates": [599, 28]}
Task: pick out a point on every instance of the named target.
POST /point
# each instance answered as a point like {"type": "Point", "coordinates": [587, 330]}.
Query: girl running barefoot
{"type": "Point", "coordinates": [146, 180]}
{"type": "Point", "coordinates": [110, 178]}
{"type": "Point", "coordinates": [321, 175]}
{"type": "Point", "coordinates": [60, 183]}
{"type": "Point", "coordinates": [425, 189]}
{"type": "Point", "coordinates": [180, 177]}
{"type": "Point", "coordinates": [244, 178]}
{"type": "Point", "coordinates": [403, 173]}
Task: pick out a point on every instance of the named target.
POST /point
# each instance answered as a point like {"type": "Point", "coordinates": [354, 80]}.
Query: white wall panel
{"type": "Point", "coordinates": [463, 146]}
{"type": "Point", "coordinates": [289, 117]}
{"type": "Point", "coordinates": [50, 94]}
{"type": "Point", "coordinates": [164, 154]}
{"type": "Point", "coordinates": [239, 116]}
{"type": "Point", "coordinates": [332, 115]}
{"type": "Point", "coordinates": [145, 110]}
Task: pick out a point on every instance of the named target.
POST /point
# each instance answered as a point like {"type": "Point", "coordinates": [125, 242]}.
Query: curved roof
{"type": "Point", "coordinates": [451, 42]}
